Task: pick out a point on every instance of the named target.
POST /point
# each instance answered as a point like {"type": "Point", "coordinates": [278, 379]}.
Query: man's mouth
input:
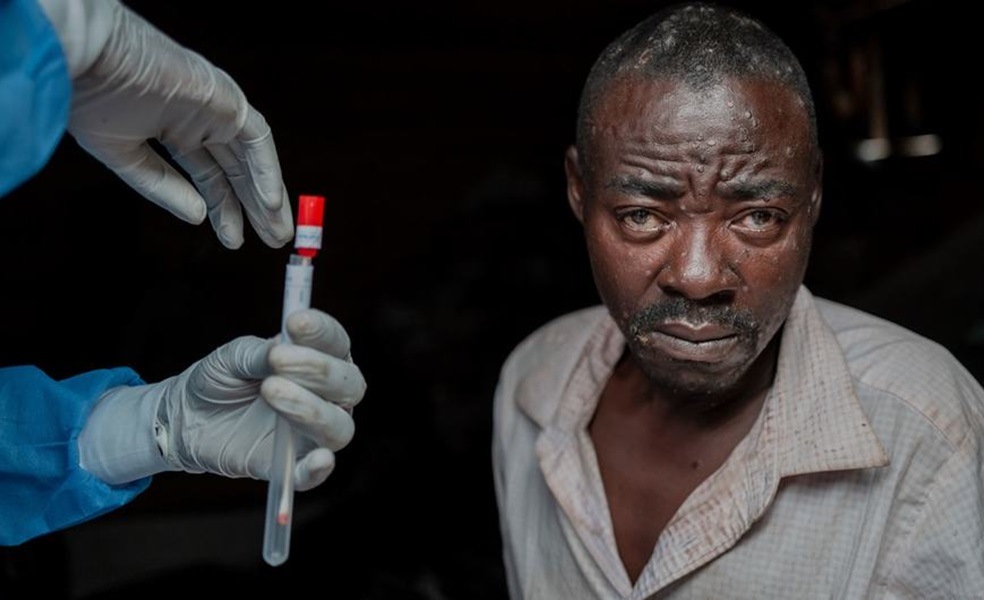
{"type": "Point", "coordinates": [684, 341]}
{"type": "Point", "coordinates": [694, 332]}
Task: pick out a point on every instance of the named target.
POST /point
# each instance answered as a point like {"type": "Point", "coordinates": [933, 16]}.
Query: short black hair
{"type": "Point", "coordinates": [700, 44]}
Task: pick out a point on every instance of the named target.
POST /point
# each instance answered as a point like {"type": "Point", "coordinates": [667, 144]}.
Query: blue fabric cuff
{"type": "Point", "coordinates": [42, 486]}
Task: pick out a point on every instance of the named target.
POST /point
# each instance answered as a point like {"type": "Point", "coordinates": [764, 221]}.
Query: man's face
{"type": "Point", "coordinates": [697, 209]}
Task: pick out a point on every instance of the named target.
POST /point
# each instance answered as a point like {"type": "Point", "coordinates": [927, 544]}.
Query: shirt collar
{"type": "Point", "coordinates": [820, 423]}
{"type": "Point", "coordinates": [823, 426]}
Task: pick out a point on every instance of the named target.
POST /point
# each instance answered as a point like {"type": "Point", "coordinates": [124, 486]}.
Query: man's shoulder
{"type": "Point", "coordinates": [890, 360]}
{"type": "Point", "coordinates": [556, 340]}
{"type": "Point", "coordinates": [862, 334]}
{"type": "Point", "coordinates": [561, 331]}
{"type": "Point", "coordinates": [538, 369]}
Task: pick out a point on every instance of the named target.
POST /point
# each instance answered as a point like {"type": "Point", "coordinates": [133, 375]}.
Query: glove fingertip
{"type": "Point", "coordinates": [156, 180]}
{"type": "Point", "coordinates": [231, 236]}
{"type": "Point", "coordinates": [314, 469]}
{"type": "Point", "coordinates": [275, 231]}
{"type": "Point", "coordinates": [275, 198]}
{"type": "Point", "coordinates": [191, 209]}
{"type": "Point", "coordinates": [198, 211]}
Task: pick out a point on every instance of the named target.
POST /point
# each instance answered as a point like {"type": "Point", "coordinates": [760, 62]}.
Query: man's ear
{"type": "Point", "coordinates": [575, 183]}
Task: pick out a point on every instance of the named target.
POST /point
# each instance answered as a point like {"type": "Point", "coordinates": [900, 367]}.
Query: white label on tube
{"type": "Point", "coordinates": [307, 236]}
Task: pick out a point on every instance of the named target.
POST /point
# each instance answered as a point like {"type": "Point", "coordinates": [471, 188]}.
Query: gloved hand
{"type": "Point", "coordinates": [132, 84]}
{"type": "Point", "coordinates": [218, 416]}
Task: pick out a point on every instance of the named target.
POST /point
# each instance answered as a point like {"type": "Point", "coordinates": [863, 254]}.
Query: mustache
{"type": "Point", "coordinates": [682, 309]}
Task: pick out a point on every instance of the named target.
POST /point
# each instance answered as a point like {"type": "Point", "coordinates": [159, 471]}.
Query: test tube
{"type": "Point", "coordinates": [297, 295]}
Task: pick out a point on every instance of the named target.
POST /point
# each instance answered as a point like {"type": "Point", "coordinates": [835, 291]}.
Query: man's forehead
{"type": "Point", "coordinates": [742, 109]}
{"type": "Point", "coordinates": [630, 92]}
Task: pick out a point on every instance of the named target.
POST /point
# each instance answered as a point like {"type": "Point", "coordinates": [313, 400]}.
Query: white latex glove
{"type": "Point", "coordinates": [131, 84]}
{"type": "Point", "coordinates": [218, 415]}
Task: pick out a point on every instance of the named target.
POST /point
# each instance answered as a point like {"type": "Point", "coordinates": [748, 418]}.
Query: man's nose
{"type": "Point", "coordinates": [695, 264]}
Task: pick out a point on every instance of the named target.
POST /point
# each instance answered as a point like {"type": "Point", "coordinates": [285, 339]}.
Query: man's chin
{"type": "Point", "coordinates": [695, 386]}
{"type": "Point", "coordinates": [693, 378]}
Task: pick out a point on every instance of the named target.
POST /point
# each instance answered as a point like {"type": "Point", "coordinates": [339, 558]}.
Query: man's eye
{"type": "Point", "coordinates": [642, 220]}
{"type": "Point", "coordinates": [760, 221]}
{"type": "Point", "coordinates": [761, 218]}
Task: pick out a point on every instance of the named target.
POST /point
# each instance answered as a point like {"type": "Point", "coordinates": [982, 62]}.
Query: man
{"type": "Point", "coordinates": [713, 430]}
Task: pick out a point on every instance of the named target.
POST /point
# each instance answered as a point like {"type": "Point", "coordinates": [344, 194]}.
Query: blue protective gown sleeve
{"type": "Point", "coordinates": [42, 487]}
{"type": "Point", "coordinates": [35, 92]}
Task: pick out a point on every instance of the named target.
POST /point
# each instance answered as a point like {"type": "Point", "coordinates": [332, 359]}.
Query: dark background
{"type": "Point", "coordinates": [436, 131]}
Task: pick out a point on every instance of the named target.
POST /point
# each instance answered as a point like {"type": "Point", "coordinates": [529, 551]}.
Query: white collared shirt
{"type": "Point", "coordinates": [863, 476]}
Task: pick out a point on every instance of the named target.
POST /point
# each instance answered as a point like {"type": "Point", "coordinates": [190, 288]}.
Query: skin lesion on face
{"type": "Point", "coordinates": [697, 210]}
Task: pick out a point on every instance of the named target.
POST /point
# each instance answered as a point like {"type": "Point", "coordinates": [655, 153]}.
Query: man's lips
{"type": "Point", "coordinates": [705, 343]}
{"type": "Point", "coordinates": [695, 333]}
